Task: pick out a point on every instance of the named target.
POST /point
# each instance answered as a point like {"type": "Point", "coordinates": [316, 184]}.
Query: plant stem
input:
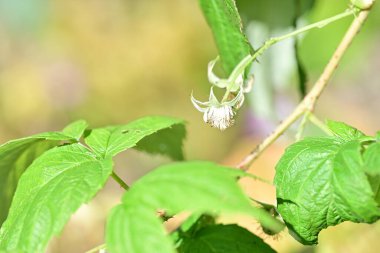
{"type": "Point", "coordinates": [119, 181]}
{"type": "Point", "coordinates": [250, 58]}
{"type": "Point", "coordinates": [97, 249]}
{"type": "Point", "coordinates": [308, 103]}
{"type": "Point", "coordinates": [302, 125]}
{"type": "Point", "coordinates": [318, 24]}
{"type": "Point", "coordinates": [263, 180]}
{"type": "Point", "coordinates": [317, 122]}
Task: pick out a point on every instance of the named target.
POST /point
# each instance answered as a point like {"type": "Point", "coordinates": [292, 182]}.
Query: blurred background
{"type": "Point", "coordinates": [110, 62]}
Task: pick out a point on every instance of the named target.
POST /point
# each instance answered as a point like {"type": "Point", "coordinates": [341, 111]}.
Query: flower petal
{"type": "Point", "coordinates": [212, 98]}
{"type": "Point", "coordinates": [198, 104]}
{"type": "Point", "coordinates": [236, 100]}
{"type": "Point", "coordinates": [212, 78]}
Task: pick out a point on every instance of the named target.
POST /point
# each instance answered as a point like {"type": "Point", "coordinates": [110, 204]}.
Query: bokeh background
{"type": "Point", "coordinates": [113, 61]}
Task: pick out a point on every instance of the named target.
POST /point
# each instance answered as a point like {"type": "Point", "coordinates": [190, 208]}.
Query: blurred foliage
{"type": "Point", "coordinates": [274, 13]}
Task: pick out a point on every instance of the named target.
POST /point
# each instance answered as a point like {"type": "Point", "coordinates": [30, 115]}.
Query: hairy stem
{"type": "Point", "coordinates": [308, 103]}
{"type": "Point", "coordinates": [119, 181]}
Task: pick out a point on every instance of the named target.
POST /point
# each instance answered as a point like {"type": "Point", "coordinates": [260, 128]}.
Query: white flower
{"type": "Point", "coordinates": [216, 114]}
{"type": "Point", "coordinates": [221, 114]}
{"type": "Point", "coordinates": [221, 117]}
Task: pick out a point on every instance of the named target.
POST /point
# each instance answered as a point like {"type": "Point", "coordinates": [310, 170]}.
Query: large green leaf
{"type": "Point", "coordinates": [224, 21]}
{"type": "Point", "coordinates": [198, 187]}
{"type": "Point", "coordinates": [17, 155]}
{"type": "Point", "coordinates": [161, 135]}
{"type": "Point", "coordinates": [52, 188]}
{"type": "Point", "coordinates": [320, 182]}
{"type": "Point", "coordinates": [224, 239]}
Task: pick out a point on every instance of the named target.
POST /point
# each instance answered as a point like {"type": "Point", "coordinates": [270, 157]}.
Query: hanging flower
{"type": "Point", "coordinates": [221, 114]}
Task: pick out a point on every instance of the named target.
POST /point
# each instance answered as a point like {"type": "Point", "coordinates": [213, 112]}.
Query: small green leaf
{"type": "Point", "coordinates": [371, 158]}
{"type": "Point", "coordinates": [224, 239]}
{"type": "Point", "coordinates": [162, 135]}
{"type": "Point", "coordinates": [320, 182]}
{"type": "Point", "coordinates": [197, 187]}
{"type": "Point", "coordinates": [344, 131]}
{"type": "Point", "coordinates": [17, 155]}
{"type": "Point", "coordinates": [225, 23]}
{"type": "Point", "coordinates": [75, 129]}
{"type": "Point", "coordinates": [52, 188]}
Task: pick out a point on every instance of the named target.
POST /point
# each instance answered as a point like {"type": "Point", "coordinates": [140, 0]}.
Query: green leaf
{"type": "Point", "coordinates": [17, 155]}
{"type": "Point", "coordinates": [52, 188]}
{"type": "Point", "coordinates": [223, 18]}
{"type": "Point", "coordinates": [137, 229]}
{"type": "Point", "coordinates": [224, 239]}
{"type": "Point", "coordinates": [190, 225]}
{"type": "Point", "coordinates": [75, 129]}
{"type": "Point", "coordinates": [161, 135]}
{"type": "Point", "coordinates": [344, 131]}
{"type": "Point", "coordinates": [374, 181]}
{"type": "Point", "coordinates": [320, 182]}
{"type": "Point", "coordinates": [371, 158]}
{"type": "Point", "coordinates": [197, 187]}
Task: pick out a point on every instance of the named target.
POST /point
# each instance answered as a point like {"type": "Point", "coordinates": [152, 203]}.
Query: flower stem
{"type": "Point", "coordinates": [119, 181]}
{"type": "Point", "coordinates": [274, 40]}
{"type": "Point", "coordinates": [308, 103]}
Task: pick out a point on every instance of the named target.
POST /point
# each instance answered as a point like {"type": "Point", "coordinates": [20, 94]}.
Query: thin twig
{"type": "Point", "coordinates": [119, 181]}
{"type": "Point", "coordinates": [308, 103]}
{"type": "Point", "coordinates": [302, 126]}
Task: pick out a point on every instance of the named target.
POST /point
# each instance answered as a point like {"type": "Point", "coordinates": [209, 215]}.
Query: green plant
{"type": "Point", "coordinates": [320, 182]}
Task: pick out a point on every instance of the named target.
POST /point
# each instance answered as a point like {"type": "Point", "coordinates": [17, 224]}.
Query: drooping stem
{"type": "Point", "coordinates": [308, 103]}
{"type": "Point", "coordinates": [119, 181]}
